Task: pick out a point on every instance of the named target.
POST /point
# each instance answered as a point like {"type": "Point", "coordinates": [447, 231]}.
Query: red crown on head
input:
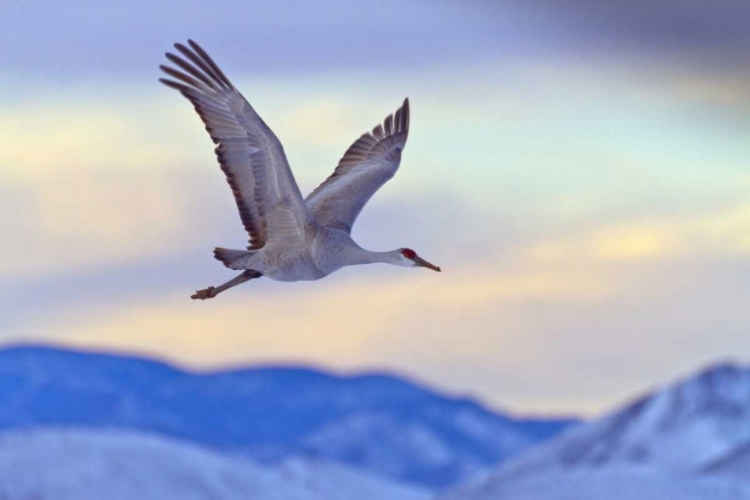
{"type": "Point", "coordinates": [408, 253]}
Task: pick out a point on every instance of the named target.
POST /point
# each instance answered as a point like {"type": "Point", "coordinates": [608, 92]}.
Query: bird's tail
{"type": "Point", "coordinates": [227, 256]}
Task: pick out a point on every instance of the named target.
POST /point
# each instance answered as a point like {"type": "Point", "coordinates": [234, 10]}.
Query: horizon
{"type": "Point", "coordinates": [649, 390]}
{"type": "Point", "coordinates": [578, 172]}
{"type": "Point", "coordinates": [354, 373]}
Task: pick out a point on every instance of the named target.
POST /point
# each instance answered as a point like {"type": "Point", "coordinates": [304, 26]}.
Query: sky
{"type": "Point", "coordinates": [579, 169]}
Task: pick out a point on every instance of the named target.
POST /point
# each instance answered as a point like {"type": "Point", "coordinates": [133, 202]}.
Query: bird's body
{"type": "Point", "coordinates": [291, 238]}
{"type": "Point", "coordinates": [327, 251]}
{"type": "Point", "coordinates": [318, 256]}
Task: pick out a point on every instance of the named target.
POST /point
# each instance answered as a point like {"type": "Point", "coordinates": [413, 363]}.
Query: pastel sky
{"type": "Point", "coordinates": [579, 169]}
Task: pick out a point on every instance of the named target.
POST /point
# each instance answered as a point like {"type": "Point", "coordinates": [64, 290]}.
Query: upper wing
{"type": "Point", "coordinates": [368, 164]}
{"type": "Point", "coordinates": [250, 154]}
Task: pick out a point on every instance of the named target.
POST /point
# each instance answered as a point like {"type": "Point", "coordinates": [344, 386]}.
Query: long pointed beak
{"type": "Point", "coordinates": [423, 263]}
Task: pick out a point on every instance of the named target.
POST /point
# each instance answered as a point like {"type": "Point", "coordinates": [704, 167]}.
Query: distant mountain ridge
{"type": "Point", "coordinates": [377, 422]}
{"type": "Point", "coordinates": [689, 439]}
{"type": "Point", "coordinates": [683, 426]}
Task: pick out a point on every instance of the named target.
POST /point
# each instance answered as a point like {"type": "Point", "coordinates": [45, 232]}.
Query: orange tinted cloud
{"type": "Point", "coordinates": [656, 238]}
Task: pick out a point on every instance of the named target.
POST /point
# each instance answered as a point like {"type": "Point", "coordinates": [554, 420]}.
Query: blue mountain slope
{"type": "Point", "coordinates": [378, 422]}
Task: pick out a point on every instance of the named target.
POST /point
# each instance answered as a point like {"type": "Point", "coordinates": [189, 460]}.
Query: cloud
{"type": "Point", "coordinates": [290, 37]}
{"type": "Point", "coordinates": [101, 182]}
{"type": "Point", "coordinates": [522, 335]}
{"type": "Point", "coordinates": [588, 216]}
{"type": "Point", "coordinates": [656, 238]}
{"type": "Point", "coordinates": [75, 221]}
{"type": "Point", "coordinates": [354, 318]}
{"type": "Point", "coordinates": [709, 34]}
{"type": "Point", "coordinates": [70, 133]}
{"type": "Point", "coordinates": [98, 182]}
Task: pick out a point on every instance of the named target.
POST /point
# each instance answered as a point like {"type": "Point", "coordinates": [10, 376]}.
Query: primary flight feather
{"type": "Point", "coordinates": [290, 238]}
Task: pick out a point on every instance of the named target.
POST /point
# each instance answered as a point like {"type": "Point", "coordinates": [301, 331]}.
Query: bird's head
{"type": "Point", "coordinates": [409, 258]}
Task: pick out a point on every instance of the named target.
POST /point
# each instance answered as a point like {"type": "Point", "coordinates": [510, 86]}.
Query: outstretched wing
{"type": "Point", "coordinates": [368, 164]}
{"type": "Point", "coordinates": [249, 153]}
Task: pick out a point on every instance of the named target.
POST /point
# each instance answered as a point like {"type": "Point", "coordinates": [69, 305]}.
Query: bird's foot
{"type": "Point", "coordinates": [206, 293]}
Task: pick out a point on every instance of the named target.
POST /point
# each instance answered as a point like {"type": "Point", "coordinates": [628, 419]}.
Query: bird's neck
{"type": "Point", "coordinates": [357, 255]}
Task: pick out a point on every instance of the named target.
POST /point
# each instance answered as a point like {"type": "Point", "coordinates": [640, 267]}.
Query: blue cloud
{"type": "Point", "coordinates": [295, 36]}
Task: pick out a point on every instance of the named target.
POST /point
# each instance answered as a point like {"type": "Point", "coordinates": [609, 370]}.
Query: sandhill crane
{"type": "Point", "coordinates": [291, 238]}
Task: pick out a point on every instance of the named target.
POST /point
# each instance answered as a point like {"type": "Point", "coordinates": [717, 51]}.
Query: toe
{"type": "Point", "coordinates": [201, 295]}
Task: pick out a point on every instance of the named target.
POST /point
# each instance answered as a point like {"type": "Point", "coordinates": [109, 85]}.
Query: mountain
{"type": "Point", "coordinates": [65, 464]}
{"type": "Point", "coordinates": [377, 422]}
{"type": "Point", "coordinates": [683, 441]}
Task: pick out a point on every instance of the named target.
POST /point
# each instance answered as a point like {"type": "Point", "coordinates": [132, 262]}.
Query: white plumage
{"type": "Point", "coordinates": [291, 238]}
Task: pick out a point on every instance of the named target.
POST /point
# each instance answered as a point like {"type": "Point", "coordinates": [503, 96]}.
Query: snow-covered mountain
{"type": "Point", "coordinates": [683, 441]}
{"type": "Point", "coordinates": [59, 464]}
{"type": "Point", "coordinates": [380, 423]}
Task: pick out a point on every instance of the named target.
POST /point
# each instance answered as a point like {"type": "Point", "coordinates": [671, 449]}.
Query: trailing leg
{"type": "Point", "coordinates": [211, 292]}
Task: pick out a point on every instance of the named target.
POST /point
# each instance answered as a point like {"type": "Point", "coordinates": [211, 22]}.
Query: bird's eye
{"type": "Point", "coordinates": [408, 253]}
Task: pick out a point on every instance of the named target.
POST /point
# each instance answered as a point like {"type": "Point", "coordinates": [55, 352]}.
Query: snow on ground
{"type": "Point", "coordinates": [59, 464]}
{"type": "Point", "coordinates": [623, 484]}
{"type": "Point", "coordinates": [331, 481]}
{"type": "Point", "coordinates": [734, 464]}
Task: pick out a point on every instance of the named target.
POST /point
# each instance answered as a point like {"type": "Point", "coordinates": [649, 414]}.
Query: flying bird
{"type": "Point", "coordinates": [290, 238]}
